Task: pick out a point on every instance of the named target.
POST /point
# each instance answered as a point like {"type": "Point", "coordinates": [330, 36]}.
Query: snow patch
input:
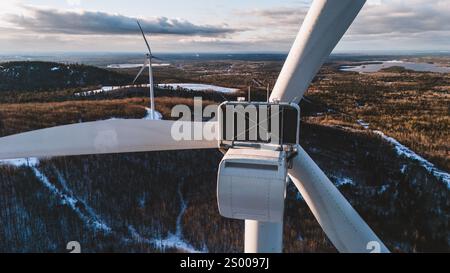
{"type": "Point", "coordinates": [363, 123]}
{"type": "Point", "coordinates": [91, 221]}
{"type": "Point", "coordinates": [66, 198]}
{"type": "Point", "coordinates": [176, 240]}
{"type": "Point", "coordinates": [395, 62]}
{"type": "Point", "coordinates": [340, 181]}
{"type": "Point", "coordinates": [298, 196]}
{"type": "Point", "coordinates": [189, 86]}
{"type": "Point", "coordinates": [105, 89]}
{"type": "Point", "coordinates": [148, 116]}
{"type": "Point", "coordinates": [382, 189]}
{"type": "Point", "coordinates": [403, 168]}
{"type": "Point", "coordinates": [377, 66]}
{"type": "Point", "coordinates": [402, 150]}
{"type": "Point", "coordinates": [20, 162]}
{"type": "Point", "coordinates": [172, 240]}
{"type": "Point", "coordinates": [198, 87]}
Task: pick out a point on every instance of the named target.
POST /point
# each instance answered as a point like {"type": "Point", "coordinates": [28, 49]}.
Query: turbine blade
{"type": "Point", "coordinates": [157, 58]}
{"type": "Point", "coordinates": [145, 39]}
{"type": "Point", "coordinates": [257, 82]}
{"type": "Point", "coordinates": [344, 227]}
{"type": "Point", "coordinates": [323, 27]}
{"type": "Point", "coordinates": [140, 71]}
{"type": "Point", "coordinates": [101, 137]}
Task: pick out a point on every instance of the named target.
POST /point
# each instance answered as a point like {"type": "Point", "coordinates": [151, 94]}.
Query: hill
{"type": "Point", "coordinates": [40, 76]}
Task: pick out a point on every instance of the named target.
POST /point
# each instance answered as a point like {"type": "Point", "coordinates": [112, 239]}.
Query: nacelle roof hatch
{"type": "Point", "coordinates": [258, 123]}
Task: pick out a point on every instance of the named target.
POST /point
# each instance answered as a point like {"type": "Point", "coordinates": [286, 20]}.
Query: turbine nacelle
{"type": "Point", "coordinates": [251, 184]}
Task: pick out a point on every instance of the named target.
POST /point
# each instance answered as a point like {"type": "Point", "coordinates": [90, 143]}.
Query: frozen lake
{"type": "Point", "coordinates": [190, 86]}
{"type": "Point", "coordinates": [377, 66]}
{"type": "Point", "coordinates": [198, 87]}
{"type": "Point", "coordinates": [121, 66]}
{"type": "Point", "coordinates": [105, 89]}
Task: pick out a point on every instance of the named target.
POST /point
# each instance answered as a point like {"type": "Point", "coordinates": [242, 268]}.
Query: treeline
{"type": "Point", "coordinates": [69, 112]}
{"type": "Point", "coordinates": [131, 92]}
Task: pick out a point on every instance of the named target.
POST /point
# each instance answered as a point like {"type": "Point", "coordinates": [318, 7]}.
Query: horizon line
{"type": "Point", "coordinates": [338, 52]}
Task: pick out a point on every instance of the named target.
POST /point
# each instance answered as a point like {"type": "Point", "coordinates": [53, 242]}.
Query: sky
{"type": "Point", "coordinates": [34, 26]}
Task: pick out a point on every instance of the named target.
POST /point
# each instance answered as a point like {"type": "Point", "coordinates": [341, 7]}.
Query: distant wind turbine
{"type": "Point", "coordinates": [148, 62]}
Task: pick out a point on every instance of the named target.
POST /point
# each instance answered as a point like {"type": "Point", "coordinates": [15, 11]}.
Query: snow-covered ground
{"type": "Point", "coordinates": [405, 151]}
{"type": "Point", "coordinates": [383, 188]}
{"type": "Point", "coordinates": [106, 89]}
{"type": "Point", "coordinates": [93, 221]}
{"type": "Point", "coordinates": [173, 241]}
{"type": "Point", "coordinates": [176, 240]}
{"type": "Point", "coordinates": [148, 115]}
{"type": "Point", "coordinates": [339, 181]}
{"type": "Point", "coordinates": [363, 123]}
{"type": "Point", "coordinates": [198, 87]}
{"type": "Point", "coordinates": [402, 150]}
{"type": "Point", "coordinates": [189, 86]}
{"type": "Point", "coordinates": [20, 162]}
{"type": "Point", "coordinates": [89, 219]}
{"type": "Point", "coordinates": [65, 196]}
{"type": "Point", "coordinates": [170, 242]}
{"type": "Point", "coordinates": [157, 115]}
{"type": "Point", "coordinates": [377, 66]}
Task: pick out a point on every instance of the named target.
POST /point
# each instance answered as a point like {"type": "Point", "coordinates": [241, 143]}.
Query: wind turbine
{"type": "Point", "coordinates": [260, 84]}
{"type": "Point", "coordinates": [324, 25]}
{"type": "Point", "coordinates": [148, 62]}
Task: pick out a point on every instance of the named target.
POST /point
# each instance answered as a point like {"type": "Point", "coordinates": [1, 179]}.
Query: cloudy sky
{"type": "Point", "coordinates": [211, 25]}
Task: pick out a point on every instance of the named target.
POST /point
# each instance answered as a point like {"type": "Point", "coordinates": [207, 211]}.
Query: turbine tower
{"type": "Point", "coordinates": [148, 62]}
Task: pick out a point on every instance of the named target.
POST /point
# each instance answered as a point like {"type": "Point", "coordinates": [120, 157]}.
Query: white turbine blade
{"type": "Point", "coordinates": [257, 82]}
{"type": "Point", "coordinates": [344, 227]}
{"type": "Point", "coordinates": [157, 58]}
{"type": "Point", "coordinates": [140, 71]}
{"type": "Point", "coordinates": [145, 39]}
{"type": "Point", "coordinates": [99, 137]}
{"type": "Point", "coordinates": [323, 27]}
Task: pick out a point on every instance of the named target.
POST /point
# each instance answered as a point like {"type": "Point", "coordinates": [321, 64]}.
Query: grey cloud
{"type": "Point", "coordinates": [282, 16]}
{"type": "Point", "coordinates": [401, 18]}
{"type": "Point", "coordinates": [87, 22]}
{"type": "Point", "coordinates": [420, 24]}
{"type": "Point", "coordinates": [393, 16]}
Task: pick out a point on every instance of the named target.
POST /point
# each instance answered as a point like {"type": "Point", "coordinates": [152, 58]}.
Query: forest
{"type": "Point", "coordinates": [44, 76]}
{"type": "Point", "coordinates": [166, 201]}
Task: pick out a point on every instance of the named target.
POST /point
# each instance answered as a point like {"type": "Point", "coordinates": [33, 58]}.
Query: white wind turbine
{"type": "Point", "coordinates": [324, 25]}
{"type": "Point", "coordinates": [148, 62]}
